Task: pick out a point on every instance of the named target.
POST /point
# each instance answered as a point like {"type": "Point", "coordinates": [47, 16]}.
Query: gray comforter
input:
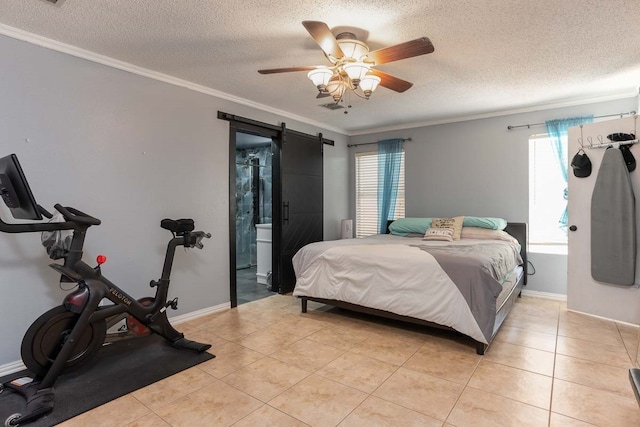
{"type": "Point", "coordinates": [478, 271]}
{"type": "Point", "coordinates": [452, 284]}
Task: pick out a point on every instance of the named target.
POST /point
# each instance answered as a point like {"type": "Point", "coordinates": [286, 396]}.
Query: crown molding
{"type": "Point", "coordinates": [68, 49]}
{"type": "Point", "coordinates": [51, 44]}
{"type": "Point", "coordinates": [612, 97]}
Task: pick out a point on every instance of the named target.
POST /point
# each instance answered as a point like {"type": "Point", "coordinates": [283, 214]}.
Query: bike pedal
{"type": "Point", "coordinates": [174, 304]}
{"type": "Point", "coordinates": [19, 382]}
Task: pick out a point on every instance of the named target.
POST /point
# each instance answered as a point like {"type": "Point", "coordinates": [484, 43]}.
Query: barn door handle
{"type": "Point", "coordinates": [285, 211]}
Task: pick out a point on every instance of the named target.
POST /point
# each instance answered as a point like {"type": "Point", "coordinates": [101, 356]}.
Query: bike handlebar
{"type": "Point", "coordinates": [75, 215]}
{"type": "Point", "coordinates": [198, 236]}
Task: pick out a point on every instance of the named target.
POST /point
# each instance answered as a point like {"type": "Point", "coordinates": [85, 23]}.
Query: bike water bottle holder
{"type": "Point", "coordinates": [178, 226]}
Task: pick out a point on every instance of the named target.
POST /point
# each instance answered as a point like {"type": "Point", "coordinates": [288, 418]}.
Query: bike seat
{"type": "Point", "coordinates": [178, 226]}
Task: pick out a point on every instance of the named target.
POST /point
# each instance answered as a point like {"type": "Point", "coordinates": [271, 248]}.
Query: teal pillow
{"type": "Point", "coordinates": [406, 226]}
{"type": "Point", "coordinates": [484, 222]}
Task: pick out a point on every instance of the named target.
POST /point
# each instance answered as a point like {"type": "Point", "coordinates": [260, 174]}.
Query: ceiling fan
{"type": "Point", "coordinates": [352, 64]}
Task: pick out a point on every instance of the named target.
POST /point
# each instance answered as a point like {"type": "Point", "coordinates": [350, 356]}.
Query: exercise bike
{"type": "Point", "coordinates": [71, 334]}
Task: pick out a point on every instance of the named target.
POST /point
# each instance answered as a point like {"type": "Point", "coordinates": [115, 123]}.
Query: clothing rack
{"type": "Point", "coordinates": [369, 143]}
{"type": "Point", "coordinates": [601, 142]}
{"type": "Point", "coordinates": [630, 113]}
{"type": "Point", "coordinates": [613, 144]}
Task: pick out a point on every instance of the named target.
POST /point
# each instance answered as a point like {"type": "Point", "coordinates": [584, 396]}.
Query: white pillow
{"type": "Point", "coordinates": [444, 234]}
{"type": "Point", "coordinates": [485, 233]}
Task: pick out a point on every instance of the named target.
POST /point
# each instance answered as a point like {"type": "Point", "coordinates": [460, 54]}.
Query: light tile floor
{"type": "Point", "coordinates": [278, 367]}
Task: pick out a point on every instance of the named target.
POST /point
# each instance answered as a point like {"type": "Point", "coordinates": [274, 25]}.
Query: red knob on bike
{"type": "Point", "coordinates": [101, 259]}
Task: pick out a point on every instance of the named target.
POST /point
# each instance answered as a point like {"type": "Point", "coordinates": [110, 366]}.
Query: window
{"type": "Point", "coordinates": [546, 193]}
{"type": "Point", "coordinates": [367, 194]}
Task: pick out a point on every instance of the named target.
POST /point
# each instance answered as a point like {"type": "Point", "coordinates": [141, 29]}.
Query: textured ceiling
{"type": "Point", "coordinates": [490, 55]}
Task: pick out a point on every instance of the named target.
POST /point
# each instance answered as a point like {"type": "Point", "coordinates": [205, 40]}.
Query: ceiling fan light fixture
{"type": "Point", "coordinates": [352, 64]}
{"type": "Point", "coordinates": [352, 48]}
{"type": "Point", "coordinates": [336, 87]}
{"type": "Point", "coordinates": [356, 71]}
{"type": "Point", "coordinates": [320, 78]}
{"type": "Point", "coordinates": [369, 84]}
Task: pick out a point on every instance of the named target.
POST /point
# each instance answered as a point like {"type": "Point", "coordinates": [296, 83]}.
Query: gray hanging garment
{"type": "Point", "coordinates": [613, 223]}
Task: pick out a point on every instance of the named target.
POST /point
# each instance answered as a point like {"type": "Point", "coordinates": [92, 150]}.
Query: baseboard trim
{"type": "Point", "coordinates": [602, 317]}
{"type": "Point", "coordinates": [563, 298]}
{"type": "Point", "coordinates": [12, 367]}
{"type": "Point", "coordinates": [199, 313]}
{"type": "Point", "coordinates": [545, 295]}
{"type": "Point", "coordinates": [17, 366]}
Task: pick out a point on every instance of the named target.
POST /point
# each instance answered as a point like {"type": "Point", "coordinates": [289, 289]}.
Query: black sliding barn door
{"type": "Point", "coordinates": [301, 204]}
{"type": "Point", "coordinates": [296, 199]}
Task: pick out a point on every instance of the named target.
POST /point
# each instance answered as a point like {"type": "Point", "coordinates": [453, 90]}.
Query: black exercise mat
{"type": "Point", "coordinates": [118, 369]}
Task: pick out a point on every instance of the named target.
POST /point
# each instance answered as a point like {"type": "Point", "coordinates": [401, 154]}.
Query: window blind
{"type": "Point", "coordinates": [367, 193]}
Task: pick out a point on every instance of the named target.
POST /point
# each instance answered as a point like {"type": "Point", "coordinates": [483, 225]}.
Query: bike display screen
{"type": "Point", "coordinates": [15, 191]}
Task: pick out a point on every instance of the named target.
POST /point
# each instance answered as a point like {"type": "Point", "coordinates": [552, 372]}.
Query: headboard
{"type": "Point", "coordinates": [520, 231]}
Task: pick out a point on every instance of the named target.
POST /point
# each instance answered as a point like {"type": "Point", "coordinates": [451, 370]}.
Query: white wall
{"type": "Point", "coordinates": [479, 168]}
{"type": "Point", "coordinates": [131, 151]}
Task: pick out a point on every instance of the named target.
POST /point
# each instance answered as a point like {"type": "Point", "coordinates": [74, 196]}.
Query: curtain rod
{"type": "Point", "coordinates": [595, 117]}
{"type": "Point", "coordinates": [369, 143]}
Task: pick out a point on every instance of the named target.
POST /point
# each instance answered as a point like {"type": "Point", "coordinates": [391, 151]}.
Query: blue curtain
{"type": "Point", "coordinates": [557, 130]}
{"type": "Point", "coordinates": [389, 158]}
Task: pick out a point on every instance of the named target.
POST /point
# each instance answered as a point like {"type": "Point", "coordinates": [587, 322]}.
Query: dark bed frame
{"type": "Point", "coordinates": [516, 229]}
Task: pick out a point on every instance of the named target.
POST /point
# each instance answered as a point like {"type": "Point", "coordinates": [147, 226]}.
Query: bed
{"type": "Point", "coordinates": [425, 283]}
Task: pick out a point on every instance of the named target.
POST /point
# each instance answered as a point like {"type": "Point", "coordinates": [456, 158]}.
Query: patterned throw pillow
{"type": "Point", "coordinates": [455, 223]}
{"type": "Point", "coordinates": [444, 234]}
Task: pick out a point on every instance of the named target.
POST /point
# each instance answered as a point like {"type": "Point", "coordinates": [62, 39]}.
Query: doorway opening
{"type": "Point", "coordinates": [254, 216]}
{"type": "Point", "coordinates": [295, 211]}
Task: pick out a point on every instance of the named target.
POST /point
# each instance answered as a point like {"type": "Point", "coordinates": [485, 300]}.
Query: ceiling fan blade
{"type": "Point", "coordinates": [409, 49]}
{"type": "Point", "coordinates": [392, 82]}
{"type": "Point", "coordinates": [324, 37]}
{"type": "Point", "coordinates": [286, 70]}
